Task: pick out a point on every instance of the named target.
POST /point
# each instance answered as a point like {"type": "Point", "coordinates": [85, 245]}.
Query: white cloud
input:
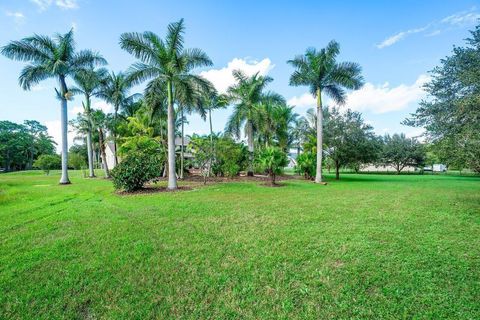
{"type": "Point", "coordinates": [399, 36]}
{"type": "Point", "coordinates": [18, 17]}
{"type": "Point", "coordinates": [55, 130]}
{"type": "Point", "coordinates": [76, 110]}
{"type": "Point", "coordinates": [102, 105]}
{"type": "Point", "coordinates": [459, 19]}
{"type": "Point", "coordinates": [223, 78]}
{"type": "Point", "coordinates": [462, 18]}
{"type": "Point", "coordinates": [305, 100]}
{"type": "Point", "coordinates": [384, 98]}
{"type": "Point", "coordinates": [373, 98]}
{"type": "Point", "coordinates": [62, 4]}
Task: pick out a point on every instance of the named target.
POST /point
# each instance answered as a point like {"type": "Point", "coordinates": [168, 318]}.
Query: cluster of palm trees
{"type": "Point", "coordinates": [173, 90]}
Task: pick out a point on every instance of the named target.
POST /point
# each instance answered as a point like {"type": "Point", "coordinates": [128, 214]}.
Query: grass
{"type": "Point", "coordinates": [367, 246]}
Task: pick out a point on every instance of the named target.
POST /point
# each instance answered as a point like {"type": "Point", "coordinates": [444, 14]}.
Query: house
{"type": "Point", "coordinates": [385, 168]}
{"type": "Point", "coordinates": [109, 151]}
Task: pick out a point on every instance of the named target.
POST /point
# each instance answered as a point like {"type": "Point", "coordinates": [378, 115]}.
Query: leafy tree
{"type": "Point", "coordinates": [350, 142]}
{"type": "Point", "coordinates": [400, 151]}
{"type": "Point", "coordinates": [272, 160]}
{"type": "Point", "coordinates": [136, 169]}
{"type": "Point", "coordinates": [320, 71]}
{"type": "Point", "coordinates": [76, 161]}
{"type": "Point", "coordinates": [100, 122]}
{"type": "Point", "coordinates": [450, 114]}
{"type": "Point", "coordinates": [168, 64]}
{"type": "Point", "coordinates": [248, 95]}
{"type": "Point", "coordinates": [202, 152]}
{"type": "Point", "coordinates": [52, 58]}
{"type": "Point", "coordinates": [306, 165]}
{"type": "Point", "coordinates": [47, 162]}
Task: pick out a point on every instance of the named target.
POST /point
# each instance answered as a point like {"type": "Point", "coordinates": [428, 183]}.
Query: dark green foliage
{"type": "Point", "coordinates": [306, 165]}
{"type": "Point", "coordinates": [230, 157]}
{"type": "Point", "coordinates": [272, 160]}
{"type": "Point", "coordinates": [136, 169]}
{"type": "Point", "coordinates": [21, 144]}
{"type": "Point", "coordinates": [451, 114]}
{"type": "Point", "coordinates": [76, 161]}
{"type": "Point", "coordinates": [400, 151]}
{"type": "Point", "coordinates": [47, 162]}
{"type": "Point", "coordinates": [350, 141]}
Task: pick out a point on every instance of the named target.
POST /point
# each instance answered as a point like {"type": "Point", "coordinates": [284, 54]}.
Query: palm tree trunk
{"type": "Point", "coordinates": [211, 142]}
{"type": "Point", "coordinates": [172, 178]}
{"type": "Point", "coordinates": [115, 159]}
{"type": "Point", "coordinates": [250, 148]}
{"type": "Point", "coordinates": [181, 147]}
{"type": "Point", "coordinates": [64, 123]}
{"type": "Point", "coordinates": [318, 176]}
{"type": "Point", "coordinates": [102, 151]}
{"type": "Point", "coordinates": [91, 172]}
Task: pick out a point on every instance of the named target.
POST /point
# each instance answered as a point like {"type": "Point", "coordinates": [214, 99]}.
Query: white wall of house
{"type": "Point", "coordinates": [110, 155]}
{"type": "Point", "coordinates": [382, 168]}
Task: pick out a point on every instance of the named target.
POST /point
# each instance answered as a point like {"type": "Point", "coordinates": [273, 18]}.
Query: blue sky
{"type": "Point", "coordinates": [395, 42]}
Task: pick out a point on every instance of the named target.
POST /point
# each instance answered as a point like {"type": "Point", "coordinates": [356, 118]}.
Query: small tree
{"type": "Point", "coordinates": [272, 160]}
{"type": "Point", "coordinates": [306, 165]}
{"type": "Point", "coordinates": [47, 162]}
{"type": "Point", "coordinates": [400, 151]}
{"type": "Point", "coordinates": [201, 149]}
{"type": "Point", "coordinates": [136, 169]}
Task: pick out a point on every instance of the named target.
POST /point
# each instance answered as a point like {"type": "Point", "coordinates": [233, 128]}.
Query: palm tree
{"type": "Point", "coordinates": [320, 71]}
{"type": "Point", "coordinates": [89, 84]}
{"type": "Point", "coordinates": [115, 91]}
{"type": "Point", "coordinates": [247, 95]}
{"type": "Point", "coordinates": [214, 101]}
{"type": "Point", "coordinates": [168, 62]}
{"type": "Point", "coordinates": [52, 58]}
{"type": "Point", "coordinates": [99, 121]}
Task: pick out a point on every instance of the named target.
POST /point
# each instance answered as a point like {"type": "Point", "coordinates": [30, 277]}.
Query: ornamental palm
{"type": "Point", "coordinates": [320, 71]}
{"type": "Point", "coordinates": [89, 84]}
{"type": "Point", "coordinates": [115, 91]}
{"type": "Point", "coordinates": [52, 58]}
{"type": "Point", "coordinates": [247, 95]}
{"type": "Point", "coordinates": [168, 62]}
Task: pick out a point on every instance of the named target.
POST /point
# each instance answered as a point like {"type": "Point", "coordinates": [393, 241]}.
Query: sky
{"type": "Point", "coordinates": [397, 43]}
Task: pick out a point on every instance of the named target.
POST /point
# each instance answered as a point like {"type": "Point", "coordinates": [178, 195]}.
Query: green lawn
{"type": "Point", "coordinates": [368, 246]}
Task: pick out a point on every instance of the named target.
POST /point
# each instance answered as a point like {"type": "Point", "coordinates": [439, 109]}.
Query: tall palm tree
{"type": "Point", "coordinates": [52, 58]}
{"type": "Point", "coordinates": [248, 95]}
{"type": "Point", "coordinates": [99, 121]}
{"type": "Point", "coordinates": [115, 91]}
{"type": "Point", "coordinates": [320, 71]}
{"type": "Point", "coordinates": [89, 84]}
{"type": "Point", "coordinates": [168, 62]}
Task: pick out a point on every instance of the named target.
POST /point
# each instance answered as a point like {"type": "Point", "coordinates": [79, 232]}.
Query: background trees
{"type": "Point", "coordinates": [451, 113]}
{"type": "Point", "coordinates": [400, 151]}
{"type": "Point", "coordinates": [22, 144]}
{"type": "Point", "coordinates": [320, 71]}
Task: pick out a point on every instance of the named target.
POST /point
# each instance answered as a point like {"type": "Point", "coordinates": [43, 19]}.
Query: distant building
{"type": "Point", "coordinates": [385, 168]}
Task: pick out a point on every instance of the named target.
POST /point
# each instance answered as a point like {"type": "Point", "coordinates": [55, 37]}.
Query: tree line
{"type": "Point", "coordinates": [148, 123]}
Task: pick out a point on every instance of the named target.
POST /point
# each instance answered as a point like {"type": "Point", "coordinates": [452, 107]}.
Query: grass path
{"type": "Point", "coordinates": [368, 246]}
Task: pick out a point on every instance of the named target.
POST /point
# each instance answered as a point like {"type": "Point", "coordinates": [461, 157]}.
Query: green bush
{"type": "Point", "coordinates": [136, 169]}
{"type": "Point", "coordinates": [306, 165]}
{"type": "Point", "coordinates": [272, 160]}
{"type": "Point", "coordinates": [47, 162]}
{"type": "Point", "coordinates": [76, 161]}
{"type": "Point", "coordinates": [231, 157]}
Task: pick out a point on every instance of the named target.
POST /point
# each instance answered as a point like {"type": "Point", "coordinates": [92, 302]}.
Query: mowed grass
{"type": "Point", "coordinates": [368, 246]}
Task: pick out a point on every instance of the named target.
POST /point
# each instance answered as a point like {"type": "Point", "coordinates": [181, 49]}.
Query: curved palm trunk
{"type": "Point", "coordinates": [318, 176]}
{"type": "Point", "coordinates": [172, 178]}
{"type": "Point", "coordinates": [250, 148]}
{"type": "Point", "coordinates": [64, 124]}
{"type": "Point", "coordinates": [181, 147]}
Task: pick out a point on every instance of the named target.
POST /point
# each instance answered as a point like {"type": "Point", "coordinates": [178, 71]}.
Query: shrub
{"type": "Point", "coordinates": [76, 161]}
{"type": "Point", "coordinates": [47, 162]}
{"type": "Point", "coordinates": [230, 157]}
{"type": "Point", "coordinates": [306, 165]}
{"type": "Point", "coordinates": [136, 169]}
{"type": "Point", "coordinates": [272, 160]}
